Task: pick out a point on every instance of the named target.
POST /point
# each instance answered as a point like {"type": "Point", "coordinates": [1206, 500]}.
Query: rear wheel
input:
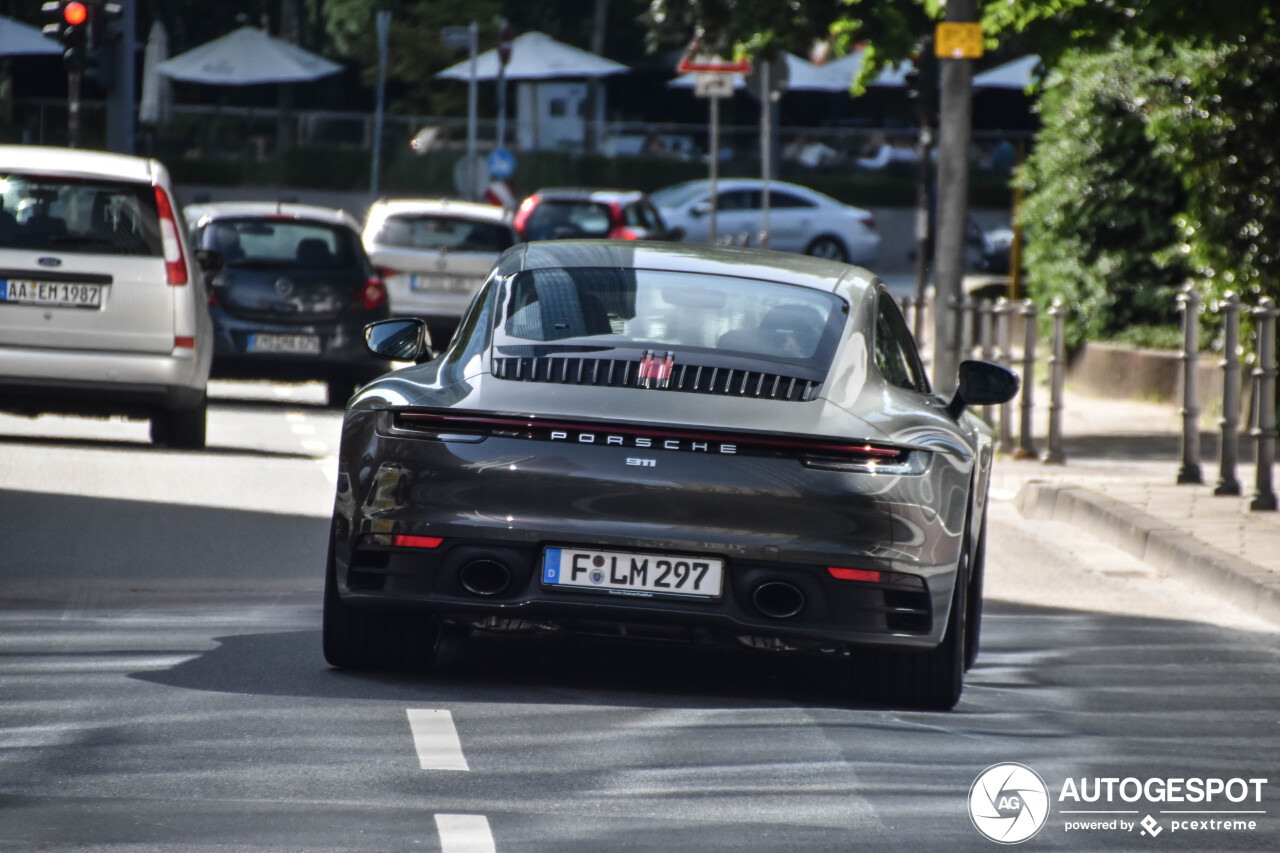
{"type": "Point", "coordinates": [930, 679]}
{"type": "Point", "coordinates": [340, 391]}
{"type": "Point", "coordinates": [375, 638]}
{"type": "Point", "coordinates": [182, 428]}
{"type": "Point", "coordinates": [827, 247]}
{"type": "Point", "coordinates": [973, 604]}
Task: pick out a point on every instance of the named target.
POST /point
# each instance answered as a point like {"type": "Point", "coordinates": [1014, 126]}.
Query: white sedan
{"type": "Point", "coordinates": [800, 219]}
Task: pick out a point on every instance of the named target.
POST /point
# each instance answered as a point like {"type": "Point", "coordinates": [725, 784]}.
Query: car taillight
{"type": "Point", "coordinates": [522, 215]}
{"type": "Point", "coordinates": [175, 262]}
{"type": "Point", "coordinates": [184, 342]}
{"type": "Point", "coordinates": [869, 221]}
{"type": "Point", "coordinates": [214, 301]}
{"type": "Point", "coordinates": [863, 575]}
{"type": "Point", "coordinates": [623, 233]}
{"type": "Point", "coordinates": [387, 272]}
{"type": "Point", "coordinates": [373, 294]}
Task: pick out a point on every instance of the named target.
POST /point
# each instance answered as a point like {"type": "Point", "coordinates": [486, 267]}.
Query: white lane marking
{"type": "Point", "coordinates": [315, 446]}
{"type": "Point", "coordinates": [302, 429]}
{"type": "Point", "coordinates": [436, 740]}
{"type": "Point", "coordinates": [329, 467]}
{"type": "Point", "coordinates": [464, 833]}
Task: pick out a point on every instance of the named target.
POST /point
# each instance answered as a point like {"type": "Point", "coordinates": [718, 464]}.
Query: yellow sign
{"type": "Point", "coordinates": [958, 41]}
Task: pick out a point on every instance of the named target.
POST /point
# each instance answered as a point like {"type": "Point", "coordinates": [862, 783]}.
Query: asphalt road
{"type": "Point", "coordinates": [162, 688]}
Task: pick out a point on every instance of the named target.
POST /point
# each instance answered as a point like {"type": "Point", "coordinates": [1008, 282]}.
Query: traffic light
{"type": "Point", "coordinates": [69, 23]}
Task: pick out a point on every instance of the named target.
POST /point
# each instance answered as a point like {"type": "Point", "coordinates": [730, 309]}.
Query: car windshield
{"type": "Point", "coordinates": [679, 194]}
{"type": "Point", "coordinates": [89, 216]}
{"type": "Point", "coordinates": [663, 309]}
{"type": "Point", "coordinates": [459, 234]}
{"type": "Point", "coordinates": [280, 242]}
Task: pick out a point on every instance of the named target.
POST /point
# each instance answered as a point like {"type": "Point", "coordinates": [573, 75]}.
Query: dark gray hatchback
{"type": "Point", "coordinates": [291, 293]}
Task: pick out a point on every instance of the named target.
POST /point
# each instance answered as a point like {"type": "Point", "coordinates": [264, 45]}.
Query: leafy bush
{"type": "Point", "coordinates": [1100, 207]}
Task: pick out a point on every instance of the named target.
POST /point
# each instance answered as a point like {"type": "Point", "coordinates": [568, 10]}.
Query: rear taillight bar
{"type": "Point", "coordinates": [863, 453]}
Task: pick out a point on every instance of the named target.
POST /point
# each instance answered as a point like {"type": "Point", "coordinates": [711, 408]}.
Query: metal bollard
{"type": "Point", "coordinates": [1004, 356]}
{"type": "Point", "coordinates": [968, 309]}
{"type": "Point", "coordinates": [1026, 441]}
{"type": "Point", "coordinates": [1189, 305]}
{"type": "Point", "coordinates": [986, 343]}
{"type": "Point", "coordinates": [1053, 455]}
{"type": "Point", "coordinates": [1229, 453]}
{"type": "Point", "coordinates": [1264, 387]}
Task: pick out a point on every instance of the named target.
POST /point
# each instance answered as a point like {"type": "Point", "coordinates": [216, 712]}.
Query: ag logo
{"type": "Point", "coordinates": [1008, 803]}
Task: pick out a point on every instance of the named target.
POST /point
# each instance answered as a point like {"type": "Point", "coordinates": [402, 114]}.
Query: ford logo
{"type": "Point", "coordinates": [284, 287]}
{"type": "Point", "coordinates": [49, 262]}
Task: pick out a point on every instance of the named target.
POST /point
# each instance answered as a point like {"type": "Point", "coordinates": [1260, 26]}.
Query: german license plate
{"type": "Point", "coordinates": [440, 283]}
{"type": "Point", "coordinates": [628, 573]}
{"type": "Point", "coordinates": [51, 294]}
{"type": "Point", "coordinates": [293, 344]}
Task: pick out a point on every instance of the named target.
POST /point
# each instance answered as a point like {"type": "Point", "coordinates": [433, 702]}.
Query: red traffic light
{"type": "Point", "coordinates": [75, 14]}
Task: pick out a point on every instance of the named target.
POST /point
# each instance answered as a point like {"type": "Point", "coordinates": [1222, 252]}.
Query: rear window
{"type": "Point", "coordinates": [553, 219]}
{"type": "Point", "coordinates": [672, 310]}
{"type": "Point", "coordinates": [84, 216]}
{"type": "Point", "coordinates": [253, 241]}
{"type": "Point", "coordinates": [454, 233]}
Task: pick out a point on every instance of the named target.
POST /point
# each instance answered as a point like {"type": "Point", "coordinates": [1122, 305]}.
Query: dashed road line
{"type": "Point", "coordinates": [436, 740]}
{"type": "Point", "coordinates": [464, 833]}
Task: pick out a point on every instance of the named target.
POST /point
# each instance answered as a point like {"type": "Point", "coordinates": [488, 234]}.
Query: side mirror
{"type": "Point", "coordinates": [403, 339]}
{"type": "Point", "coordinates": [700, 209]}
{"type": "Point", "coordinates": [981, 383]}
{"type": "Point", "coordinates": [210, 260]}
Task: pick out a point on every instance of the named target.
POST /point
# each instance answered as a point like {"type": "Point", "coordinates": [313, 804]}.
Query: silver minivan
{"type": "Point", "coordinates": [102, 311]}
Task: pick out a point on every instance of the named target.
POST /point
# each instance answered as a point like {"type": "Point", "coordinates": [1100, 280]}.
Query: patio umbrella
{"type": "Point", "coordinates": [157, 92]}
{"type": "Point", "coordinates": [246, 57]}
{"type": "Point", "coordinates": [18, 39]}
{"type": "Point", "coordinates": [1017, 74]}
{"type": "Point", "coordinates": [537, 56]}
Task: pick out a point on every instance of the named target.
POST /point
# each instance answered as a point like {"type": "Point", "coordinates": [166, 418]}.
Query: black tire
{"type": "Point", "coordinates": [182, 428]}
{"type": "Point", "coordinates": [828, 247]}
{"type": "Point", "coordinates": [931, 679]}
{"type": "Point", "coordinates": [973, 604]}
{"type": "Point", "coordinates": [340, 391]}
{"type": "Point", "coordinates": [375, 638]}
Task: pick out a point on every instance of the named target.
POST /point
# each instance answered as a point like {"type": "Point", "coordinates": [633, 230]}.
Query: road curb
{"type": "Point", "coordinates": [1157, 543]}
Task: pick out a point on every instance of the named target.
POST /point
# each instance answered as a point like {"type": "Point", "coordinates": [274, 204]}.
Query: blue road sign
{"type": "Point", "coordinates": [501, 164]}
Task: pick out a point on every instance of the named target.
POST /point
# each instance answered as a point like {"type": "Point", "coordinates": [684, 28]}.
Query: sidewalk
{"type": "Point", "coordinates": [1119, 484]}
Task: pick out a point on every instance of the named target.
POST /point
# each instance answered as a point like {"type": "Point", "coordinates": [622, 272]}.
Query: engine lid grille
{"type": "Point", "coordinates": [656, 371]}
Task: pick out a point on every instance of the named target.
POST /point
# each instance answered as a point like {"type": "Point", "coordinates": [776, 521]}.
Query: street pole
{"type": "Point", "coordinates": [472, 110]}
{"type": "Point", "coordinates": [73, 109]}
{"type": "Point", "coordinates": [766, 146]}
{"type": "Point", "coordinates": [954, 126]}
{"type": "Point", "coordinates": [714, 168]}
{"type": "Point", "coordinates": [384, 27]}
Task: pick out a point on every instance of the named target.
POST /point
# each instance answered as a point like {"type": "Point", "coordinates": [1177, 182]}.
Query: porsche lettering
{"type": "Point", "coordinates": [644, 442]}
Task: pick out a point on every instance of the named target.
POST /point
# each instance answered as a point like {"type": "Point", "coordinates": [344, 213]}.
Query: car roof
{"type": "Point", "coordinates": [469, 209]}
{"type": "Point", "coordinates": [80, 163]}
{"type": "Point", "coordinates": [194, 213]}
{"type": "Point", "coordinates": [762, 264]}
{"type": "Point", "coordinates": [588, 193]}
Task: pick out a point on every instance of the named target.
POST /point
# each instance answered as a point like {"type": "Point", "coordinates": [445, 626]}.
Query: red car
{"type": "Point", "coordinates": [558, 214]}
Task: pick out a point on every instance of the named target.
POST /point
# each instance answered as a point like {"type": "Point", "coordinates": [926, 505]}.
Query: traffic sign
{"type": "Point", "coordinates": [958, 40]}
{"type": "Point", "coordinates": [713, 65]}
{"type": "Point", "coordinates": [711, 85]}
{"type": "Point", "coordinates": [501, 164]}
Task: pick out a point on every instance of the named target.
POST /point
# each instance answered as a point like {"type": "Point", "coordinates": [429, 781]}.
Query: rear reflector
{"type": "Point", "coordinates": [184, 342]}
{"type": "Point", "coordinates": [416, 541]}
{"type": "Point", "coordinates": [863, 575]}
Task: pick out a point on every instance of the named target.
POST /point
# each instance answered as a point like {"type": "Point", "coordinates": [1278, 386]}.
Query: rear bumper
{"type": "Point", "coordinates": [33, 381]}
{"type": "Point", "coordinates": [342, 350]}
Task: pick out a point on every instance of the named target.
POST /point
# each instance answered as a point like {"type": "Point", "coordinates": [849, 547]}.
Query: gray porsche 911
{"type": "Point", "coordinates": [668, 441]}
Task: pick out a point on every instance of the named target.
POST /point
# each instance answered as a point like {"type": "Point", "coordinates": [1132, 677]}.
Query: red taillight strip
{"type": "Point", "coordinates": [527, 423]}
{"type": "Point", "coordinates": [175, 262]}
{"type": "Point", "coordinates": [184, 342]}
{"type": "Point", "coordinates": [862, 575]}
{"type": "Point", "coordinates": [401, 541]}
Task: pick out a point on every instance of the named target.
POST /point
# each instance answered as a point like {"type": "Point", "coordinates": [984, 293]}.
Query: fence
{"type": "Point", "coordinates": [987, 333]}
